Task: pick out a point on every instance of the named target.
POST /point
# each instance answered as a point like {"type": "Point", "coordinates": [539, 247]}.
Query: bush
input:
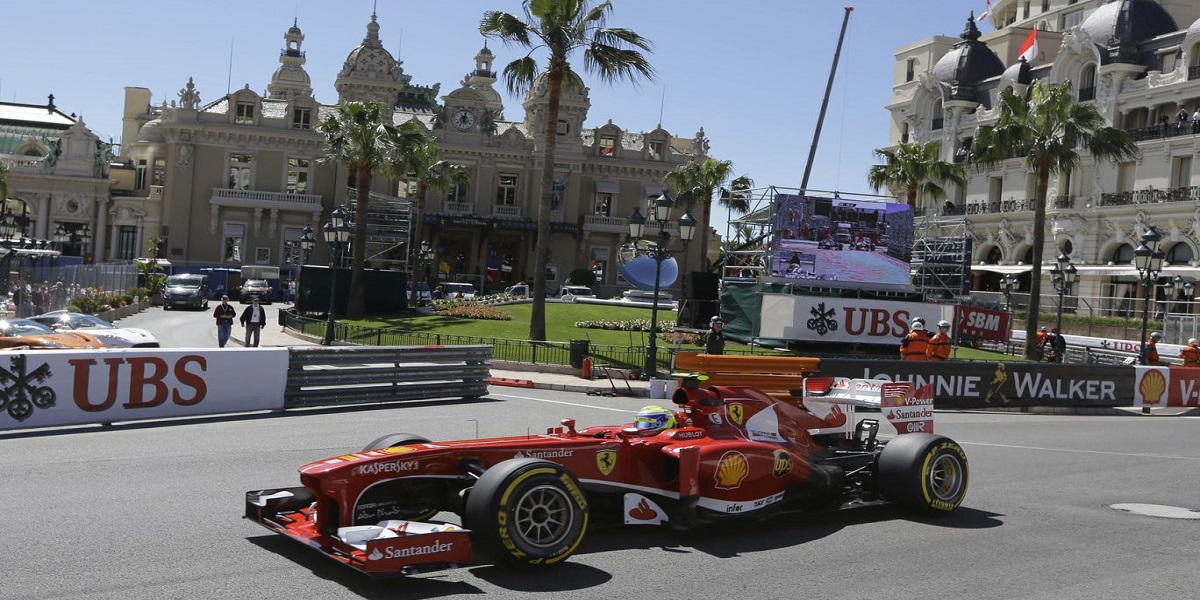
{"type": "Point", "coordinates": [471, 310]}
{"type": "Point", "coordinates": [139, 292]}
{"type": "Point", "coordinates": [631, 325]}
{"type": "Point", "coordinates": [582, 277]}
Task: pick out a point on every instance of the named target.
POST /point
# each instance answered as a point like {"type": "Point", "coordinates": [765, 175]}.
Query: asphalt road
{"type": "Point", "coordinates": [153, 511]}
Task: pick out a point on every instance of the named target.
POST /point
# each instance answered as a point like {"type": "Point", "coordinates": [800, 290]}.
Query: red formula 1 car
{"type": "Point", "coordinates": [736, 453]}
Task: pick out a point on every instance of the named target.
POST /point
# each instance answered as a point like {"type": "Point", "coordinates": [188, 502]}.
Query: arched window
{"type": "Point", "coordinates": [938, 115]}
{"type": "Point", "coordinates": [1123, 255]}
{"type": "Point", "coordinates": [993, 256]}
{"type": "Point", "coordinates": [1180, 254]}
{"type": "Point", "coordinates": [1087, 83]}
{"type": "Point", "coordinates": [904, 132]}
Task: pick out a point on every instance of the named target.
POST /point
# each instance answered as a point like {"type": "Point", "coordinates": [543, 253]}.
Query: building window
{"type": "Point", "coordinates": [603, 206]}
{"type": "Point", "coordinates": [297, 177]}
{"type": "Point", "coordinates": [1045, 6]}
{"type": "Point", "coordinates": [904, 133]}
{"type": "Point", "coordinates": [160, 172]}
{"type": "Point", "coordinates": [458, 193]}
{"type": "Point", "coordinates": [1181, 171]}
{"type": "Point", "coordinates": [1025, 10]}
{"type": "Point", "coordinates": [1072, 19]}
{"type": "Point", "coordinates": [1087, 84]}
{"type": "Point", "coordinates": [244, 114]}
{"type": "Point", "coordinates": [127, 242]}
{"type": "Point", "coordinates": [506, 192]}
{"type": "Point", "coordinates": [608, 145]}
{"type": "Point", "coordinates": [995, 189]}
{"type": "Point", "coordinates": [910, 69]}
{"type": "Point", "coordinates": [241, 171]}
{"type": "Point", "coordinates": [142, 170]}
{"type": "Point", "coordinates": [302, 118]}
{"type": "Point", "coordinates": [655, 149]}
{"type": "Point", "coordinates": [1125, 173]}
{"type": "Point", "coordinates": [234, 242]}
{"type": "Point", "coordinates": [938, 115]}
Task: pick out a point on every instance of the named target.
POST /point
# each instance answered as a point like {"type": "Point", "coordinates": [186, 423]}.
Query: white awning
{"type": "Point", "coordinates": [1098, 270]}
{"type": "Point", "coordinates": [1003, 269]}
{"type": "Point", "coordinates": [608, 186]}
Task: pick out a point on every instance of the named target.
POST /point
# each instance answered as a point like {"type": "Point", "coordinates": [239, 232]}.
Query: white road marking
{"type": "Point", "coordinates": [1158, 510]}
{"type": "Point", "coordinates": [566, 403]}
{"type": "Point", "coordinates": [1130, 454]}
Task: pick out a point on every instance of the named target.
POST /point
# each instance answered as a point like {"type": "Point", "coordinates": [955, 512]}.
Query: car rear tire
{"type": "Point", "coordinates": [527, 512]}
{"type": "Point", "coordinates": [392, 440]}
{"type": "Point", "coordinates": [925, 473]}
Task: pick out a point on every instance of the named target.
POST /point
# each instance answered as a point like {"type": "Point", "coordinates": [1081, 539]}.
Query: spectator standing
{"type": "Point", "coordinates": [1150, 350]}
{"type": "Point", "coordinates": [1191, 354]}
{"type": "Point", "coordinates": [224, 314]}
{"type": "Point", "coordinates": [1196, 120]}
{"type": "Point", "coordinates": [254, 318]}
{"type": "Point", "coordinates": [714, 340]}
{"type": "Point", "coordinates": [915, 345]}
{"type": "Point", "coordinates": [1057, 346]}
{"type": "Point", "coordinates": [939, 344]}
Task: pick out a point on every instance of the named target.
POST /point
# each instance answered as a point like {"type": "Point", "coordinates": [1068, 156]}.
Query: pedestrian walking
{"type": "Point", "coordinates": [254, 318]}
{"type": "Point", "coordinates": [1191, 354]}
{"type": "Point", "coordinates": [224, 314]}
{"type": "Point", "coordinates": [939, 344]}
{"type": "Point", "coordinates": [714, 340]}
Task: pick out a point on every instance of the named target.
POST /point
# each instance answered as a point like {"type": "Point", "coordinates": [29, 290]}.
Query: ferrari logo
{"type": "Point", "coordinates": [606, 461]}
{"type": "Point", "coordinates": [736, 412]}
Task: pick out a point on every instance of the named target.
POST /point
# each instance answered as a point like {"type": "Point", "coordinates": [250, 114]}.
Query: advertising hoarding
{"type": "Point", "coordinates": [843, 320]}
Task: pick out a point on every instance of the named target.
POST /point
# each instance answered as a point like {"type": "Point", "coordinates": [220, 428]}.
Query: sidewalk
{"type": "Point", "coordinates": [544, 377]}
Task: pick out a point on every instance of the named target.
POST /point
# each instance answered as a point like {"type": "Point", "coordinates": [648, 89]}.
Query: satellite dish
{"type": "Point", "coordinates": [637, 267]}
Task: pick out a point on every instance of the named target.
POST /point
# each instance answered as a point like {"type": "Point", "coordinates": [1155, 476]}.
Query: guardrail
{"type": "Point", "coordinates": [324, 376]}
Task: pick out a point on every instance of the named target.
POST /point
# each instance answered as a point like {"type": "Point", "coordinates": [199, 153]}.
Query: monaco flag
{"type": "Point", "coordinates": [1029, 48]}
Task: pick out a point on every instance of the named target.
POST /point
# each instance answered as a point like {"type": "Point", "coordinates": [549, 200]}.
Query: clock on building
{"type": "Point", "coordinates": [463, 119]}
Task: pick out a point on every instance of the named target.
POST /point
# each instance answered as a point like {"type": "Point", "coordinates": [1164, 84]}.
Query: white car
{"type": "Point", "coordinates": [569, 293]}
{"type": "Point", "coordinates": [464, 291]}
{"type": "Point", "coordinates": [110, 335]}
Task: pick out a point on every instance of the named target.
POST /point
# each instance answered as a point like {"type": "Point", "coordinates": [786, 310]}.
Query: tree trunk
{"type": "Point", "coordinates": [356, 304]}
{"type": "Point", "coordinates": [537, 315]}
{"type": "Point", "coordinates": [1035, 276]}
{"type": "Point", "coordinates": [414, 245]}
{"type": "Point", "coordinates": [703, 235]}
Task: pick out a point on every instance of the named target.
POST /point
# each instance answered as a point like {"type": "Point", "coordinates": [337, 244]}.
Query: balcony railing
{"type": "Point", "coordinates": [1151, 196]}
{"type": "Point", "coordinates": [226, 196]}
{"type": "Point", "coordinates": [1169, 130]}
{"type": "Point", "coordinates": [603, 223]}
{"type": "Point", "coordinates": [506, 212]}
{"type": "Point", "coordinates": [1000, 206]}
{"type": "Point", "coordinates": [1064, 202]}
{"type": "Point", "coordinates": [458, 208]}
{"type": "Point", "coordinates": [1194, 72]}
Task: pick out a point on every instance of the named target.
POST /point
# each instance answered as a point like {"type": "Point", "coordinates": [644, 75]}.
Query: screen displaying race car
{"type": "Point", "coordinates": [720, 453]}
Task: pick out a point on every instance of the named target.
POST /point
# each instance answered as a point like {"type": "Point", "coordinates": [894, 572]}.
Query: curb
{"type": "Point", "coordinates": [506, 381]}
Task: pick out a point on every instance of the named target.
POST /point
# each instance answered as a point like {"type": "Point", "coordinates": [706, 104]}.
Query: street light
{"type": "Point", "coordinates": [1064, 275]}
{"type": "Point", "coordinates": [1008, 283]}
{"type": "Point", "coordinates": [661, 252]}
{"type": "Point", "coordinates": [1148, 260]}
{"type": "Point", "coordinates": [337, 233]}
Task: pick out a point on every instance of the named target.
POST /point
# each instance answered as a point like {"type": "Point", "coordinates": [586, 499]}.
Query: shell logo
{"type": "Point", "coordinates": [731, 470]}
{"type": "Point", "coordinates": [399, 449]}
{"type": "Point", "coordinates": [1152, 386]}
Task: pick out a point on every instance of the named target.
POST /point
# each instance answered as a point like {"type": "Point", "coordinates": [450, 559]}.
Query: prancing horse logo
{"type": "Point", "coordinates": [606, 461]}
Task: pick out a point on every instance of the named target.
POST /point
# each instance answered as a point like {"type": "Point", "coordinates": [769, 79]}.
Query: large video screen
{"type": "Point", "coordinates": [837, 242]}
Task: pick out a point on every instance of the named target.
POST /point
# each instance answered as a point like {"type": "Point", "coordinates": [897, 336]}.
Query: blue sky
{"type": "Point", "coordinates": [752, 74]}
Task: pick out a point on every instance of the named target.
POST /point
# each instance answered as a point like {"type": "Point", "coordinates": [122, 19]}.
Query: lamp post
{"type": "Point", "coordinates": [337, 233]}
{"type": "Point", "coordinates": [1063, 276]}
{"type": "Point", "coordinates": [1148, 260]}
{"type": "Point", "coordinates": [1008, 283]}
{"type": "Point", "coordinates": [661, 252]}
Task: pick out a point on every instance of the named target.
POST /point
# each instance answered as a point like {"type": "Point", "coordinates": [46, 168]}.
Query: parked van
{"type": "Point", "coordinates": [187, 289]}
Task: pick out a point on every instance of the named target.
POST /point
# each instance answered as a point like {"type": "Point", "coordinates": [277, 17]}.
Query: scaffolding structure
{"type": "Point", "coordinates": [389, 230]}
{"type": "Point", "coordinates": [941, 259]}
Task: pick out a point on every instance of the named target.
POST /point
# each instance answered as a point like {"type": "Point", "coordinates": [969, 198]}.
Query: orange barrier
{"type": "Point", "coordinates": [776, 375]}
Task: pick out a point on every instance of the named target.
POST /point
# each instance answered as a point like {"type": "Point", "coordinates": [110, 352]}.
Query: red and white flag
{"type": "Point", "coordinates": [984, 14]}
{"type": "Point", "coordinates": [1029, 48]}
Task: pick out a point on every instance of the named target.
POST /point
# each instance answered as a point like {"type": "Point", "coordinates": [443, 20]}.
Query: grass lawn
{"type": "Point", "coordinates": [560, 326]}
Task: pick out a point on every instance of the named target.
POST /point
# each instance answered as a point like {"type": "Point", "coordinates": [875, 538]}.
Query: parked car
{"type": "Point", "coordinates": [108, 334]}
{"type": "Point", "coordinates": [463, 291]}
{"type": "Point", "coordinates": [424, 296]}
{"type": "Point", "coordinates": [256, 288]}
{"type": "Point", "coordinates": [24, 333]}
{"type": "Point", "coordinates": [186, 289]}
{"type": "Point", "coordinates": [568, 293]}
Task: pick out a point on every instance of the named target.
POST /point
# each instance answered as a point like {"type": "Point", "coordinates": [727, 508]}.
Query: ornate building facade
{"type": "Point", "coordinates": [237, 179]}
{"type": "Point", "coordinates": [1138, 62]}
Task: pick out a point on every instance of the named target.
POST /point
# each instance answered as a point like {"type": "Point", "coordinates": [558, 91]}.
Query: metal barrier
{"type": "Point", "coordinates": [321, 376]}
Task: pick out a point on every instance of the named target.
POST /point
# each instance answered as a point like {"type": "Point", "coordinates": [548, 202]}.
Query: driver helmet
{"type": "Point", "coordinates": [1044, 328]}
{"type": "Point", "coordinates": [652, 419]}
{"type": "Point", "coordinates": [1192, 341]}
{"type": "Point", "coordinates": [943, 324]}
{"type": "Point", "coordinates": [1156, 336]}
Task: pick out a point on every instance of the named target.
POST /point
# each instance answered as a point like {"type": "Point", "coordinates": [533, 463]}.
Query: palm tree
{"type": "Point", "coordinates": [424, 163]}
{"type": "Point", "coordinates": [917, 170]}
{"type": "Point", "coordinates": [357, 136]}
{"type": "Point", "coordinates": [736, 199]}
{"type": "Point", "coordinates": [562, 26]}
{"type": "Point", "coordinates": [694, 182]}
{"type": "Point", "coordinates": [1046, 126]}
{"type": "Point", "coordinates": [3, 181]}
